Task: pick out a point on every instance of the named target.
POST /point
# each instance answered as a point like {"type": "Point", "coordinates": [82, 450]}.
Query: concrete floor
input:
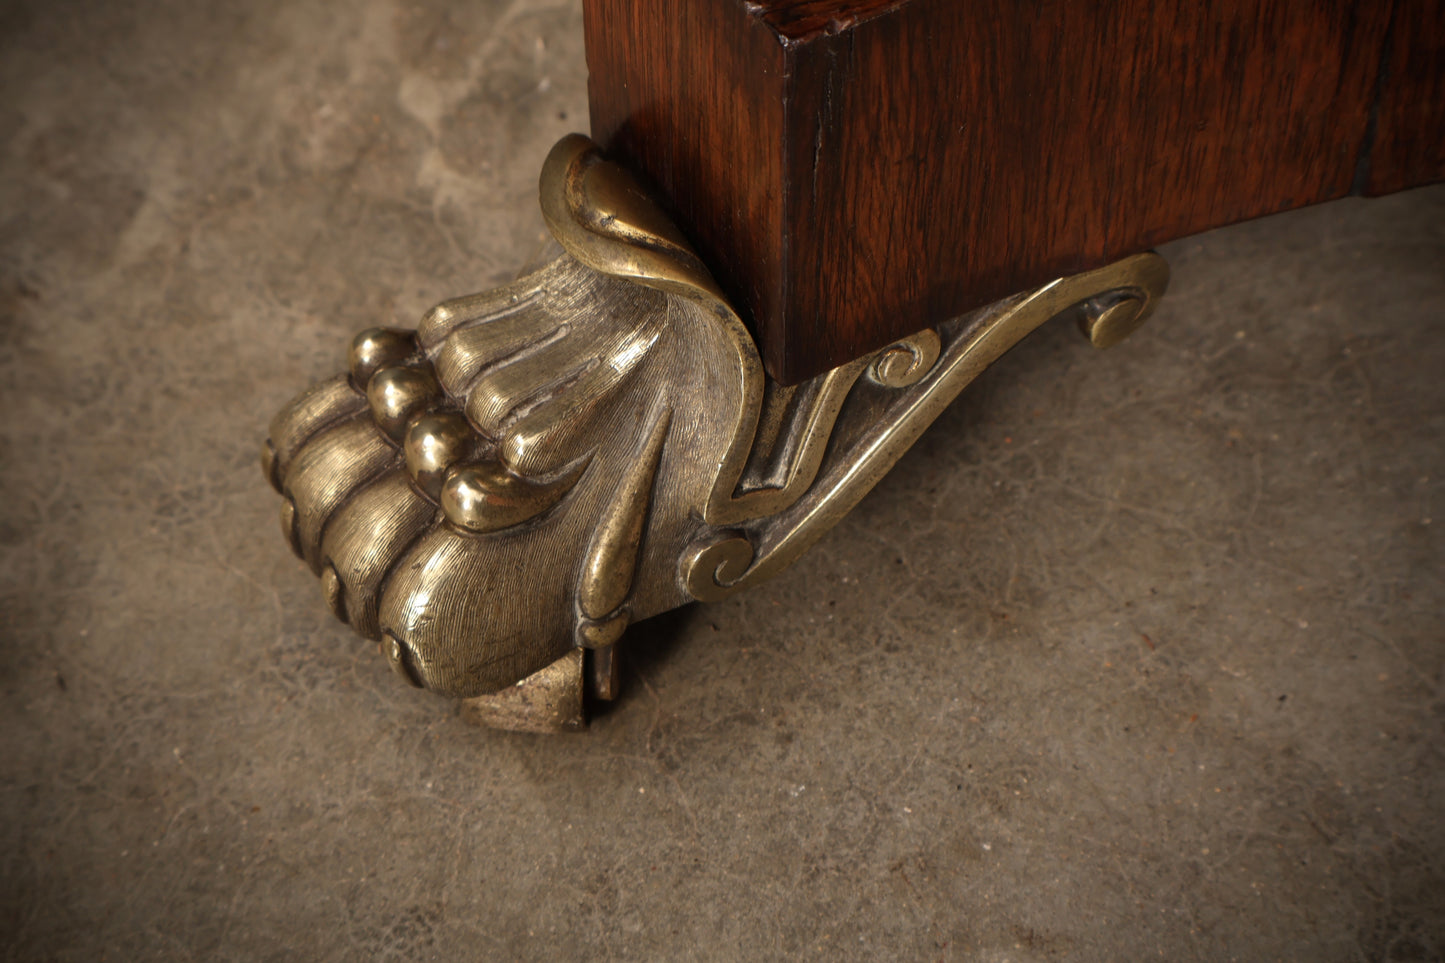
{"type": "Point", "coordinates": [1136, 655]}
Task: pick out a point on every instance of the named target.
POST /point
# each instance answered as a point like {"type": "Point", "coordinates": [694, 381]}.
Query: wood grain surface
{"type": "Point", "coordinates": [1408, 146]}
{"type": "Point", "coordinates": [854, 171]}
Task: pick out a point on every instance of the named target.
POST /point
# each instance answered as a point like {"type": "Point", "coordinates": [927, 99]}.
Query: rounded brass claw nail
{"type": "Point", "coordinates": [487, 497]}
{"type": "Point", "coordinates": [376, 348]}
{"type": "Point", "coordinates": [335, 592]}
{"type": "Point", "coordinates": [396, 394]}
{"type": "Point", "coordinates": [396, 657]}
{"type": "Point", "coordinates": [434, 443]}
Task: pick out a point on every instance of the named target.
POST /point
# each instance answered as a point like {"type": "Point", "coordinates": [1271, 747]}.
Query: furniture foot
{"type": "Point", "coordinates": [502, 491]}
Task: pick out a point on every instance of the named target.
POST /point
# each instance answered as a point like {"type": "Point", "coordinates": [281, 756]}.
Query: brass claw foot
{"type": "Point", "coordinates": [494, 497]}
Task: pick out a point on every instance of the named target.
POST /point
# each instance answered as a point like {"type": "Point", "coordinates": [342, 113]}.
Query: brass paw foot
{"type": "Point", "coordinates": [495, 496]}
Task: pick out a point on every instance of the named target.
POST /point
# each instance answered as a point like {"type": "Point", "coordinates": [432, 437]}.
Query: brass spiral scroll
{"type": "Point", "coordinates": [930, 369]}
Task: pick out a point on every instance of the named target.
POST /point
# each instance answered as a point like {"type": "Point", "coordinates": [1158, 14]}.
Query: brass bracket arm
{"type": "Point", "coordinates": [497, 495]}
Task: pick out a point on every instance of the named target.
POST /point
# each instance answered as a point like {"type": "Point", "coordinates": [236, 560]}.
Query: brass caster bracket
{"type": "Point", "coordinates": [495, 496]}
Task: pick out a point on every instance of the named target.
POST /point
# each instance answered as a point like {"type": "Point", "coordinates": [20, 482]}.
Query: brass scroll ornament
{"type": "Point", "coordinates": [495, 496]}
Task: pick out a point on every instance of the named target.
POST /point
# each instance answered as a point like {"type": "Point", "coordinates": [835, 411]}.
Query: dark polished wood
{"type": "Point", "coordinates": [853, 171]}
{"type": "Point", "coordinates": [1408, 143]}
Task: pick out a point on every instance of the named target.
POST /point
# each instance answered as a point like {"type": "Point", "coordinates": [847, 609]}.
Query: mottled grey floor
{"type": "Point", "coordinates": [1136, 655]}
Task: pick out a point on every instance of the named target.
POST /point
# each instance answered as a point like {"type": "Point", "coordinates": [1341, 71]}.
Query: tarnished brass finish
{"type": "Point", "coordinates": [605, 672]}
{"type": "Point", "coordinates": [549, 700]}
{"type": "Point", "coordinates": [542, 464]}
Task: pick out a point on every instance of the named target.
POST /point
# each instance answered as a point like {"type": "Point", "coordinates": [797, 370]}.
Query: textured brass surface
{"type": "Point", "coordinates": [542, 464]}
{"type": "Point", "coordinates": [549, 700]}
